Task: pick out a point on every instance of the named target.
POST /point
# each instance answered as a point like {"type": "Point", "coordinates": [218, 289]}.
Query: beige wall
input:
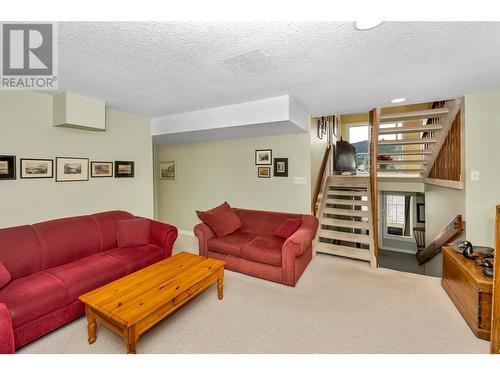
{"type": "Point", "coordinates": [482, 119]}
{"type": "Point", "coordinates": [27, 132]}
{"type": "Point", "coordinates": [209, 173]}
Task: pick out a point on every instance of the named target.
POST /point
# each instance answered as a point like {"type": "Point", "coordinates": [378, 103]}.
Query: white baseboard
{"type": "Point", "coordinates": [396, 250]}
{"type": "Point", "coordinates": [186, 232]}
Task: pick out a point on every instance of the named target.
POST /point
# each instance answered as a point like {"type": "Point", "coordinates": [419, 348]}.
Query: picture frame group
{"type": "Point", "coordinates": [265, 157]}
{"type": "Point", "coordinates": [65, 169]}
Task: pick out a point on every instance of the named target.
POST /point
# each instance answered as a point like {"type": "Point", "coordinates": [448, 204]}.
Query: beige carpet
{"type": "Point", "coordinates": [339, 306]}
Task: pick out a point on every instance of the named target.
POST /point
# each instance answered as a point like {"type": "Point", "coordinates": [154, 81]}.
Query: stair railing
{"type": "Point", "coordinates": [326, 168]}
{"type": "Point", "coordinates": [373, 132]}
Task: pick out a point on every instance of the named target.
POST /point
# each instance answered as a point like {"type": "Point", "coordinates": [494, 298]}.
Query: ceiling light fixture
{"type": "Point", "coordinates": [398, 100]}
{"type": "Point", "coordinates": [367, 25]}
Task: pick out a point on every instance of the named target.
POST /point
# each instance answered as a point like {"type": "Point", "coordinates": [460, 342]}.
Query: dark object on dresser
{"type": "Point", "coordinates": [345, 158]}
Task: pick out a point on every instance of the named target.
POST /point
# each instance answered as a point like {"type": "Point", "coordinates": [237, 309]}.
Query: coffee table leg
{"type": "Point", "coordinates": [220, 283]}
{"type": "Point", "coordinates": [91, 325]}
{"type": "Point", "coordinates": [130, 340]}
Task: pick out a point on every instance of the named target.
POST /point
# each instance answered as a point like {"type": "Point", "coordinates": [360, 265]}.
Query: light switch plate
{"type": "Point", "coordinates": [474, 175]}
{"type": "Point", "coordinates": [299, 180]}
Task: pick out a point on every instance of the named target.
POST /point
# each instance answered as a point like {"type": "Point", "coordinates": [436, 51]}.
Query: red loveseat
{"type": "Point", "coordinates": [54, 262]}
{"type": "Point", "coordinates": [255, 251]}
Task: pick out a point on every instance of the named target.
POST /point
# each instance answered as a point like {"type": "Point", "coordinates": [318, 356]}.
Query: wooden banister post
{"type": "Point", "coordinates": [374, 125]}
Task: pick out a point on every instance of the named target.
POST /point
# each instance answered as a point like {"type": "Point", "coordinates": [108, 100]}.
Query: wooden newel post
{"type": "Point", "coordinates": [373, 130]}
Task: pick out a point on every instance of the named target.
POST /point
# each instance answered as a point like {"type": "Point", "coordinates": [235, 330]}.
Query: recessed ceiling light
{"type": "Point", "coordinates": [367, 25]}
{"type": "Point", "coordinates": [398, 100]}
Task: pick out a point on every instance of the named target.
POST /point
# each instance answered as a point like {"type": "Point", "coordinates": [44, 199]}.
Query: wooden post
{"type": "Point", "coordinates": [495, 312]}
{"type": "Point", "coordinates": [374, 124]}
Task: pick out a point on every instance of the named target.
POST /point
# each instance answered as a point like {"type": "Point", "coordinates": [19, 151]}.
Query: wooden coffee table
{"type": "Point", "coordinates": [133, 304]}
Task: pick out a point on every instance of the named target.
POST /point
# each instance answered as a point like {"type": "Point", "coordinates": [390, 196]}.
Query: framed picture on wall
{"type": "Point", "coordinates": [72, 169]}
{"type": "Point", "coordinates": [124, 169]}
{"type": "Point", "coordinates": [7, 167]}
{"type": "Point", "coordinates": [37, 168]}
{"type": "Point", "coordinates": [280, 167]}
{"type": "Point", "coordinates": [101, 169]}
{"type": "Point", "coordinates": [167, 170]}
{"type": "Point", "coordinates": [263, 157]}
{"type": "Point", "coordinates": [420, 213]}
{"type": "Point", "coordinates": [264, 172]}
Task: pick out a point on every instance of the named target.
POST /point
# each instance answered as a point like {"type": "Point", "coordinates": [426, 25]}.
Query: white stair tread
{"type": "Point", "coordinates": [402, 171]}
{"type": "Point", "coordinates": [415, 115]}
{"type": "Point", "coordinates": [346, 223]}
{"type": "Point", "coordinates": [342, 236]}
{"type": "Point", "coordinates": [346, 202]}
{"type": "Point", "coordinates": [410, 129]}
{"type": "Point", "coordinates": [345, 251]}
{"type": "Point", "coordinates": [415, 141]}
{"type": "Point", "coordinates": [405, 152]}
{"type": "Point", "coordinates": [348, 193]}
{"type": "Point", "coordinates": [342, 212]}
{"type": "Point", "coordinates": [404, 162]}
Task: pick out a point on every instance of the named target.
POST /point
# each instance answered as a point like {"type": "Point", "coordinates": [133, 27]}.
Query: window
{"type": "Point", "coordinates": [398, 214]}
{"type": "Point", "coordinates": [358, 137]}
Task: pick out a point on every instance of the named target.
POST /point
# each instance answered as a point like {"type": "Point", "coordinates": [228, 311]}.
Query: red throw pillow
{"type": "Point", "coordinates": [221, 219]}
{"type": "Point", "coordinates": [287, 228]}
{"type": "Point", "coordinates": [4, 276]}
{"type": "Point", "coordinates": [133, 232]}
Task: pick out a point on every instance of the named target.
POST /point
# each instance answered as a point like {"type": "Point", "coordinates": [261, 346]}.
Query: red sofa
{"type": "Point", "coordinates": [255, 251]}
{"type": "Point", "coordinates": [54, 262]}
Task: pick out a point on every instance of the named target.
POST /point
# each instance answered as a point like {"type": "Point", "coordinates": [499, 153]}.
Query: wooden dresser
{"type": "Point", "coordinates": [469, 290]}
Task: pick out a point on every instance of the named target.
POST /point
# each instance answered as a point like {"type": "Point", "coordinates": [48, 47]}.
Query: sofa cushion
{"type": "Point", "coordinates": [4, 276]}
{"type": "Point", "coordinates": [139, 257]}
{"type": "Point", "coordinates": [19, 251]}
{"type": "Point", "coordinates": [287, 228]}
{"type": "Point", "coordinates": [264, 249]}
{"type": "Point", "coordinates": [65, 240]}
{"type": "Point", "coordinates": [85, 274]}
{"type": "Point", "coordinates": [31, 297]}
{"type": "Point", "coordinates": [221, 219]}
{"type": "Point", "coordinates": [108, 226]}
{"type": "Point", "coordinates": [133, 232]}
{"type": "Point", "coordinates": [230, 244]}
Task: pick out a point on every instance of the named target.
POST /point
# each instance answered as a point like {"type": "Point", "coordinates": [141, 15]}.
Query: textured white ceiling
{"type": "Point", "coordinates": [158, 69]}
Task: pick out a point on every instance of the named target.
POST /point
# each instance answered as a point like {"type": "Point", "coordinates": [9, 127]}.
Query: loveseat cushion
{"type": "Point", "coordinates": [230, 244]}
{"type": "Point", "coordinates": [264, 249]}
{"type": "Point", "coordinates": [287, 228]}
{"type": "Point", "coordinates": [33, 296]}
{"type": "Point", "coordinates": [138, 257]}
{"type": "Point", "coordinates": [221, 219]}
{"type": "Point", "coordinates": [133, 232]}
{"type": "Point", "coordinates": [86, 274]}
{"type": "Point", "coordinates": [4, 276]}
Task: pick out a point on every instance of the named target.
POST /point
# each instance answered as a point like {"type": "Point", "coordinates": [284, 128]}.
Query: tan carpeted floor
{"type": "Point", "coordinates": [339, 306]}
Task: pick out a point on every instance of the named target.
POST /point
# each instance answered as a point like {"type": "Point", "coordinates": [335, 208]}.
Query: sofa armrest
{"type": "Point", "coordinates": [297, 245]}
{"type": "Point", "coordinates": [163, 235]}
{"type": "Point", "coordinates": [6, 332]}
{"type": "Point", "coordinates": [303, 237]}
{"type": "Point", "coordinates": [204, 233]}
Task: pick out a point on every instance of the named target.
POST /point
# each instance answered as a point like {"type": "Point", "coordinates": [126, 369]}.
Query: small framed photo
{"type": "Point", "coordinates": [101, 169]}
{"type": "Point", "coordinates": [167, 170]}
{"type": "Point", "coordinates": [263, 157]}
{"type": "Point", "coordinates": [37, 168]}
{"type": "Point", "coordinates": [420, 213]}
{"type": "Point", "coordinates": [124, 169]}
{"type": "Point", "coordinates": [280, 167]}
{"type": "Point", "coordinates": [7, 167]}
{"type": "Point", "coordinates": [72, 169]}
{"type": "Point", "coordinates": [264, 172]}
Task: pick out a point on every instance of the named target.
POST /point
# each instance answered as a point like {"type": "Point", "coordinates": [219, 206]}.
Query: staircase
{"type": "Point", "coordinates": [345, 218]}
{"type": "Point", "coordinates": [410, 142]}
